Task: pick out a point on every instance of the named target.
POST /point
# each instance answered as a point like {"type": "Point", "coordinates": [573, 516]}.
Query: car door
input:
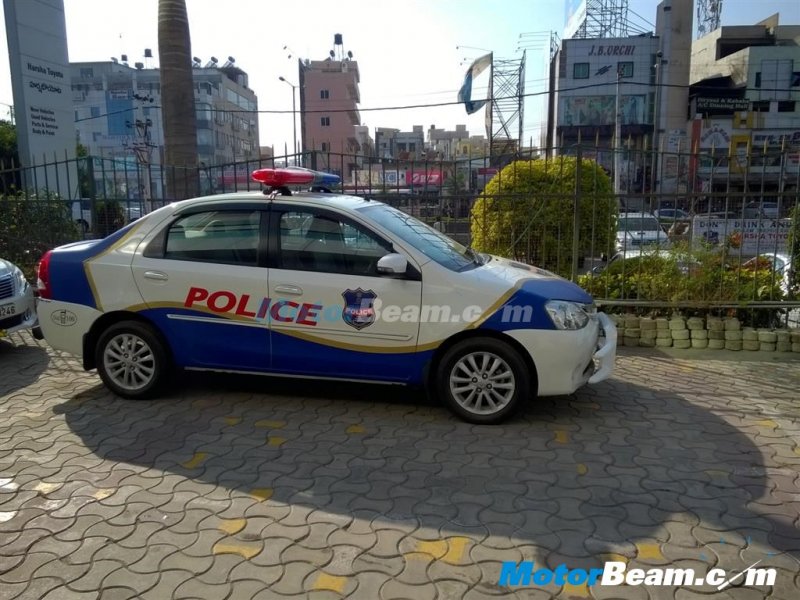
{"type": "Point", "coordinates": [203, 278]}
{"type": "Point", "coordinates": [329, 312]}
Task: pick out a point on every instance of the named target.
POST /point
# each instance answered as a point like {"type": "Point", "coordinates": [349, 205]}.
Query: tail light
{"type": "Point", "coordinates": [43, 276]}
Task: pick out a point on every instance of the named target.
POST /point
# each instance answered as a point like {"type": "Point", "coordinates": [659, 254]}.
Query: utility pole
{"type": "Point", "coordinates": [618, 140]}
{"type": "Point", "coordinates": [656, 125]}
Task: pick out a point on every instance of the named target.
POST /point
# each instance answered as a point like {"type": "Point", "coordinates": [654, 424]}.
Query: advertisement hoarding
{"type": "Point", "coordinates": [752, 236]}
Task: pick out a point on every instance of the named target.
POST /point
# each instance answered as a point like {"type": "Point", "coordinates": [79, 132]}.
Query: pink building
{"type": "Point", "coordinates": [329, 114]}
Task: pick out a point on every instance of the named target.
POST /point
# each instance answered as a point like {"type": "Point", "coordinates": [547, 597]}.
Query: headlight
{"type": "Point", "coordinates": [567, 315]}
{"type": "Point", "coordinates": [20, 283]}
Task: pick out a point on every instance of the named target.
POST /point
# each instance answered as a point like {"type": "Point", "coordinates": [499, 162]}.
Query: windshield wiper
{"type": "Point", "coordinates": [474, 256]}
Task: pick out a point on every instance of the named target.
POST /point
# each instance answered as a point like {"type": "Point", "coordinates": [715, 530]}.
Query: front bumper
{"type": "Point", "coordinates": [24, 313]}
{"type": "Point", "coordinates": [606, 354]}
{"type": "Point", "coordinates": [568, 360]}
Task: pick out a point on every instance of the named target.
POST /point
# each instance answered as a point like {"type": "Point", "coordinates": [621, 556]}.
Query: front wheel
{"type": "Point", "coordinates": [132, 360]}
{"type": "Point", "coordinates": [483, 380]}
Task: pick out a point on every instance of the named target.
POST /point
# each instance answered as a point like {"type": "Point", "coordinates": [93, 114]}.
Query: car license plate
{"type": "Point", "coordinates": [6, 310]}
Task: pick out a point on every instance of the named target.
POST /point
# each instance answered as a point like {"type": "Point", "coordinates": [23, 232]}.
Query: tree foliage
{"type": "Point", "coordinates": [31, 224]}
{"type": "Point", "coordinates": [526, 212]}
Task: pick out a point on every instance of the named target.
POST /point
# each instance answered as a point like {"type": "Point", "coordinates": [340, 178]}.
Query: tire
{"type": "Point", "coordinates": [469, 363]}
{"type": "Point", "coordinates": [145, 379]}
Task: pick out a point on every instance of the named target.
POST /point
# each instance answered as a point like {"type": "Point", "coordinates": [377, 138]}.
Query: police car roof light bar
{"type": "Point", "coordinates": [294, 176]}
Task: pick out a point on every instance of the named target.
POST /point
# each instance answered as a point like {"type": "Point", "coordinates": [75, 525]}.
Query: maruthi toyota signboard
{"type": "Point", "coordinates": [753, 236]}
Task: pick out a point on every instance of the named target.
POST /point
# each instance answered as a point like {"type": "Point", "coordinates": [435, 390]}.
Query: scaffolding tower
{"type": "Point", "coordinates": [604, 19]}
{"type": "Point", "coordinates": [709, 13]}
{"type": "Point", "coordinates": [507, 105]}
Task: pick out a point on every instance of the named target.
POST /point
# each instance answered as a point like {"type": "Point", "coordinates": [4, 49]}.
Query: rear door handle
{"type": "Point", "coordinates": [156, 275]}
{"type": "Point", "coordinates": [289, 289]}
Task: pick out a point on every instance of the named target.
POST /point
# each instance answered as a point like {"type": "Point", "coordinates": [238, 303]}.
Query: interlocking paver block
{"type": "Point", "coordinates": [395, 499]}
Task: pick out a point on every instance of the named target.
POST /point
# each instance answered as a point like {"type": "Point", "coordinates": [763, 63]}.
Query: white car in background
{"type": "Point", "coordinates": [640, 230]}
{"type": "Point", "coordinates": [17, 304]}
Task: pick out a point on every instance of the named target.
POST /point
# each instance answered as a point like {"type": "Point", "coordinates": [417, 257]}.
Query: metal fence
{"type": "Point", "coordinates": [702, 230]}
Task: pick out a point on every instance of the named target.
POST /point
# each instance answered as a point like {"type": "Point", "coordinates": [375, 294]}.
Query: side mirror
{"type": "Point", "coordinates": [392, 264]}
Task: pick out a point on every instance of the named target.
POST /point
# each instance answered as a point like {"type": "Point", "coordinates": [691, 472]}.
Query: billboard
{"type": "Point", "coordinates": [601, 110]}
{"type": "Point", "coordinates": [40, 78]}
{"type": "Point", "coordinates": [753, 236]}
{"type": "Point", "coordinates": [574, 16]}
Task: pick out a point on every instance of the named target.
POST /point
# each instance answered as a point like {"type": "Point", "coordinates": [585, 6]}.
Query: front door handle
{"type": "Point", "coordinates": [156, 275]}
{"type": "Point", "coordinates": [289, 289]}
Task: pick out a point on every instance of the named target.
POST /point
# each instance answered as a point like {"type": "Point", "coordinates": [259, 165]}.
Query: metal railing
{"type": "Point", "coordinates": [717, 231]}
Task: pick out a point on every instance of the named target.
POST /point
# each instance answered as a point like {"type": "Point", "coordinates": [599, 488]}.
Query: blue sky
{"type": "Point", "coordinates": [406, 50]}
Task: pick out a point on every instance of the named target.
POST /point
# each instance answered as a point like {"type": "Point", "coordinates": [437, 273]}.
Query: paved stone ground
{"type": "Point", "coordinates": [259, 488]}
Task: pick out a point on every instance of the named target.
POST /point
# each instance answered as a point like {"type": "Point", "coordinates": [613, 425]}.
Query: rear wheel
{"type": "Point", "coordinates": [483, 380]}
{"type": "Point", "coordinates": [132, 360]}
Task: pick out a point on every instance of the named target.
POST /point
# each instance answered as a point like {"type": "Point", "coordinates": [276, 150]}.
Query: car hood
{"type": "Point", "coordinates": [6, 268]}
{"type": "Point", "coordinates": [504, 274]}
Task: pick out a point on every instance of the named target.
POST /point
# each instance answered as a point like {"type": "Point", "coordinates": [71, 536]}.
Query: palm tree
{"type": "Point", "coordinates": [177, 99]}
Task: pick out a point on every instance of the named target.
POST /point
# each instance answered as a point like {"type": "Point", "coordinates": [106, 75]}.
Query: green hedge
{"type": "Point", "coordinates": [526, 212]}
{"type": "Point", "coordinates": [30, 225]}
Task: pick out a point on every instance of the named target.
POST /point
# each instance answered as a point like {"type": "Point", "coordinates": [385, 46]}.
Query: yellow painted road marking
{"type": "Point", "coordinates": [649, 551]}
{"type": "Point", "coordinates": [275, 441]}
{"type": "Point", "coordinates": [561, 436]}
{"type": "Point", "coordinates": [232, 420]}
{"type": "Point", "coordinates": [575, 591]}
{"type": "Point", "coordinates": [261, 494]}
{"type": "Point", "coordinates": [450, 550]}
{"type": "Point", "coordinates": [333, 583]}
{"type": "Point", "coordinates": [355, 429]}
{"type": "Point", "coordinates": [195, 461]}
{"type": "Point", "coordinates": [611, 557]}
{"type": "Point", "coordinates": [435, 548]}
{"type": "Point", "coordinates": [246, 551]}
{"type": "Point", "coordinates": [769, 423]}
{"type": "Point", "coordinates": [715, 473]}
{"type": "Point", "coordinates": [232, 526]}
{"type": "Point", "coordinates": [269, 424]}
{"type": "Point", "coordinates": [102, 494]}
{"type": "Point", "coordinates": [45, 488]}
{"type": "Point", "coordinates": [582, 469]}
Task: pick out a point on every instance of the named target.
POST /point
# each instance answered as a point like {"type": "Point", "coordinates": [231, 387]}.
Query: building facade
{"type": "Point", "coordinates": [745, 108]}
{"type": "Point", "coordinates": [117, 112]}
{"type": "Point", "coordinates": [584, 99]}
{"type": "Point", "coordinates": [329, 97]}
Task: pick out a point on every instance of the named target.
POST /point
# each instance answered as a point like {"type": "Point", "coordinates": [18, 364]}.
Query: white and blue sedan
{"type": "Point", "coordinates": [323, 286]}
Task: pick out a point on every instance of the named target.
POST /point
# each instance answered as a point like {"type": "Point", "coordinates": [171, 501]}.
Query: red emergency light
{"type": "Point", "coordinates": [293, 176]}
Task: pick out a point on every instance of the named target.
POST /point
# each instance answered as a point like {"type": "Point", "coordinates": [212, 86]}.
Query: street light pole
{"type": "Point", "coordinates": [618, 140]}
{"type": "Point", "coordinates": [294, 116]}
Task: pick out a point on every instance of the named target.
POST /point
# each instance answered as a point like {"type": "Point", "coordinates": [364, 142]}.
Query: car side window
{"type": "Point", "coordinates": [315, 241]}
{"type": "Point", "coordinates": [222, 236]}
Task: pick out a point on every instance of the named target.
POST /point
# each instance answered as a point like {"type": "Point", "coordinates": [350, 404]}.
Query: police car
{"type": "Point", "coordinates": [323, 286]}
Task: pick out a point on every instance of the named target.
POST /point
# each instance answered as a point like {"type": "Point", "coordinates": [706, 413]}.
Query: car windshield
{"type": "Point", "coordinates": [638, 224]}
{"type": "Point", "coordinates": [432, 243]}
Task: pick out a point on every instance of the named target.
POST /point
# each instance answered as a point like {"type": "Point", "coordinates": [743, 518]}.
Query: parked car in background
{"type": "Point", "coordinates": [82, 213]}
{"type": "Point", "coordinates": [17, 304]}
{"type": "Point", "coordinates": [635, 230]}
{"type": "Point", "coordinates": [670, 214]}
{"type": "Point", "coordinates": [781, 264]}
{"type": "Point", "coordinates": [764, 210]}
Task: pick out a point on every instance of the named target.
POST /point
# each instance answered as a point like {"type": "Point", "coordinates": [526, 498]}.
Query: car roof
{"type": "Point", "coordinates": [341, 201]}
